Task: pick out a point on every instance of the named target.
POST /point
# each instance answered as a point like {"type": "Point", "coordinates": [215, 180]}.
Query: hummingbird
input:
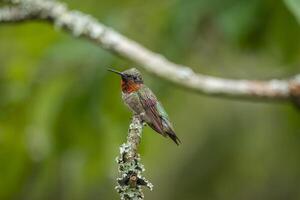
{"type": "Point", "coordinates": [142, 102]}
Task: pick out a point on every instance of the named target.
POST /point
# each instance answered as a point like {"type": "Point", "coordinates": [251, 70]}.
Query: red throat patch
{"type": "Point", "coordinates": [129, 86]}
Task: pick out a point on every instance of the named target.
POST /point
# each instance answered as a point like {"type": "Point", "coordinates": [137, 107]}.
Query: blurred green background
{"type": "Point", "coordinates": [62, 119]}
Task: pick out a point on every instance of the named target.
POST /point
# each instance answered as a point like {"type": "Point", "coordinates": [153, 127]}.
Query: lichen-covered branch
{"type": "Point", "coordinates": [83, 25]}
{"type": "Point", "coordinates": [131, 179]}
{"type": "Point", "coordinates": [14, 14]}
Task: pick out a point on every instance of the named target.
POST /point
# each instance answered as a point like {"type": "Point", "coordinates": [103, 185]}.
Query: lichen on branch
{"type": "Point", "coordinates": [131, 179]}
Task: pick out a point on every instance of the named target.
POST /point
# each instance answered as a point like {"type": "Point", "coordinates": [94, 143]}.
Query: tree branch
{"type": "Point", "coordinates": [131, 181]}
{"type": "Point", "coordinates": [83, 25]}
{"type": "Point", "coordinates": [14, 14]}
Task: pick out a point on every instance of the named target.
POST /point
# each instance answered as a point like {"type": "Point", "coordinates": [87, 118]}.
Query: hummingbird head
{"type": "Point", "coordinates": [131, 79]}
{"type": "Point", "coordinates": [132, 75]}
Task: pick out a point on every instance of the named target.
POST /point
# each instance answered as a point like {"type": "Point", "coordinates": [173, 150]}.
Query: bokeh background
{"type": "Point", "coordinates": [62, 119]}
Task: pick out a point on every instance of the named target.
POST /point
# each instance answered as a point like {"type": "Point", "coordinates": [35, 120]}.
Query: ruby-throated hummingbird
{"type": "Point", "coordinates": [141, 100]}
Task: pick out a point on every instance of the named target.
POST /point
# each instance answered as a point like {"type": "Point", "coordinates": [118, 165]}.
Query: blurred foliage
{"type": "Point", "coordinates": [62, 119]}
{"type": "Point", "coordinates": [294, 6]}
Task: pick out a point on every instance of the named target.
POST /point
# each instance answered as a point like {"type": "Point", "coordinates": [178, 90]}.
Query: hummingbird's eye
{"type": "Point", "coordinates": [128, 77]}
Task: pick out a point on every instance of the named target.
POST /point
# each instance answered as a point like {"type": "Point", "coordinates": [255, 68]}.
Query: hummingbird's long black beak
{"type": "Point", "coordinates": [115, 71]}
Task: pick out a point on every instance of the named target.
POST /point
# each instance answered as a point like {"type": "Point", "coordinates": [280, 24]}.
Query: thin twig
{"type": "Point", "coordinates": [131, 179]}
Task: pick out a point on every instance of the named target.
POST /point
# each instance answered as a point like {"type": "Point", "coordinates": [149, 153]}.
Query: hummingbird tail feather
{"type": "Point", "coordinates": [174, 137]}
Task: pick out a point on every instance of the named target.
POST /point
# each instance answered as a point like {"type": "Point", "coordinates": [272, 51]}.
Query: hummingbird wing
{"type": "Point", "coordinates": [158, 118]}
{"type": "Point", "coordinates": [149, 101]}
{"type": "Point", "coordinates": [167, 126]}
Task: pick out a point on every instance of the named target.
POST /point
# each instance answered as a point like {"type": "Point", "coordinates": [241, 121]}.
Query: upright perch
{"type": "Point", "coordinates": [131, 179]}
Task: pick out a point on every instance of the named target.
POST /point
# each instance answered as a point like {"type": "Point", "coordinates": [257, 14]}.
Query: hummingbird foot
{"type": "Point", "coordinates": [141, 117]}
